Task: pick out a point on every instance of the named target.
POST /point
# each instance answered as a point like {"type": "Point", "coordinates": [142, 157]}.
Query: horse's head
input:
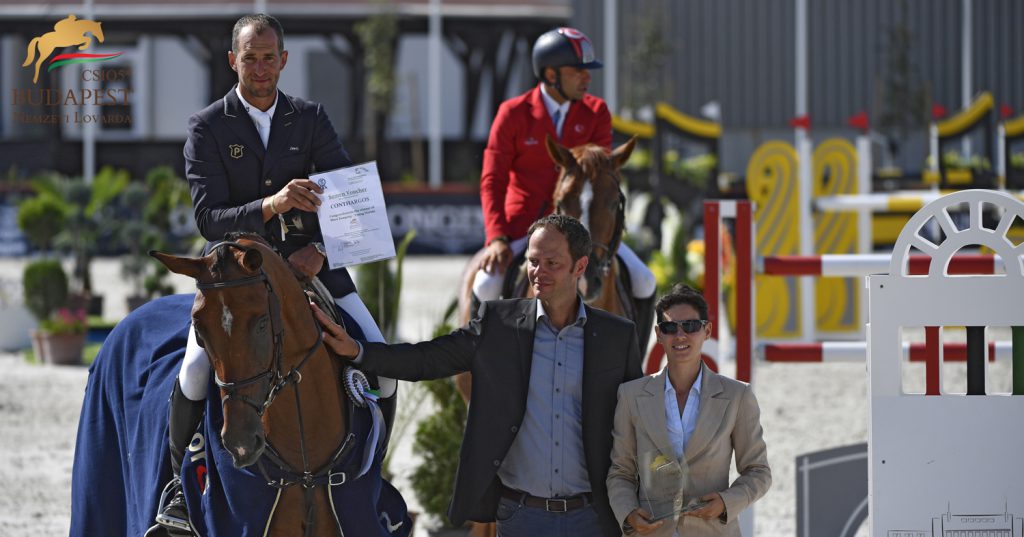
{"type": "Point", "coordinates": [588, 190]}
{"type": "Point", "coordinates": [238, 319]}
{"type": "Point", "coordinates": [93, 27]}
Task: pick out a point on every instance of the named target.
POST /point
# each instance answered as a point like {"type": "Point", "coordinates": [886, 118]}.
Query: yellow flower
{"type": "Point", "coordinates": [659, 461]}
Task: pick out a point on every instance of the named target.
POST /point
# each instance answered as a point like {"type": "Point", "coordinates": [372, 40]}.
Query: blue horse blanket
{"type": "Point", "coordinates": [121, 462]}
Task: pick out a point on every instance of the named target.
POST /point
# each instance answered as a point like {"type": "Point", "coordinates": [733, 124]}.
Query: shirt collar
{"type": "Point", "coordinates": [256, 113]}
{"type": "Point", "coordinates": [696, 382]}
{"type": "Point", "coordinates": [581, 312]}
{"type": "Point", "coordinates": [551, 104]}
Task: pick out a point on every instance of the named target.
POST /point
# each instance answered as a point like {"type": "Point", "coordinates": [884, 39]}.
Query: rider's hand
{"type": "Point", "coordinates": [335, 337]}
{"type": "Point", "coordinates": [497, 257]}
{"type": "Point", "coordinates": [307, 260]}
{"type": "Point", "coordinates": [297, 194]}
{"type": "Point", "coordinates": [638, 518]}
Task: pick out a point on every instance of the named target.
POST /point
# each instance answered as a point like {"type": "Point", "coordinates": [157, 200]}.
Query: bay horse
{"type": "Point", "coordinates": [589, 188]}
{"type": "Point", "coordinates": [283, 450]}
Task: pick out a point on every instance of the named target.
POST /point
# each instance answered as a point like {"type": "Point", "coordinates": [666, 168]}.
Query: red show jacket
{"type": "Point", "coordinates": [519, 177]}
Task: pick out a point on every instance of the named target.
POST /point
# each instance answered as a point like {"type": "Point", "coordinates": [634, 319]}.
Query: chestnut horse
{"type": "Point", "coordinates": [281, 396]}
{"type": "Point", "coordinates": [588, 189]}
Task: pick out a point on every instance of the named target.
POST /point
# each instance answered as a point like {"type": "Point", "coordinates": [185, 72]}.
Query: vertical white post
{"type": "Point", "coordinates": [808, 313]}
{"type": "Point", "coordinates": [803, 147]}
{"type": "Point", "coordinates": [865, 239]}
{"type": "Point", "coordinates": [801, 59]}
{"type": "Point", "coordinates": [611, 59]}
{"type": "Point", "coordinates": [864, 167]}
{"type": "Point", "coordinates": [259, 6]}
{"type": "Point", "coordinates": [88, 109]}
{"type": "Point", "coordinates": [435, 97]}
{"type": "Point", "coordinates": [966, 65]}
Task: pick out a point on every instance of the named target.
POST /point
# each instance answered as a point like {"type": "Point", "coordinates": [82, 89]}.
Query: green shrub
{"type": "Point", "coordinates": [41, 218]}
{"type": "Point", "coordinates": [45, 286]}
{"type": "Point", "coordinates": [438, 439]}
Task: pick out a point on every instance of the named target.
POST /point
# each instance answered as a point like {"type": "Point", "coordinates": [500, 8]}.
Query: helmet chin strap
{"type": "Point", "coordinates": [558, 85]}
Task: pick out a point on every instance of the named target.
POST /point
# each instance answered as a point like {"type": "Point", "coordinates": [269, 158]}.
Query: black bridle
{"type": "Point", "coordinates": [274, 374]}
{"type": "Point", "coordinates": [603, 263]}
{"type": "Point", "coordinates": [277, 380]}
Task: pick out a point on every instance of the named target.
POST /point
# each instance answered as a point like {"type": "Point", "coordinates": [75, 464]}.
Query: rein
{"type": "Point", "coordinates": [279, 380]}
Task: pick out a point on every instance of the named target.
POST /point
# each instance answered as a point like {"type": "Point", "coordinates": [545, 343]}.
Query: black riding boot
{"type": "Point", "coordinates": [644, 323]}
{"type": "Point", "coordinates": [183, 418]}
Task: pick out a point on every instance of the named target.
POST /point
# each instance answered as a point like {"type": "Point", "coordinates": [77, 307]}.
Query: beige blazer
{"type": "Point", "coordinates": [728, 422]}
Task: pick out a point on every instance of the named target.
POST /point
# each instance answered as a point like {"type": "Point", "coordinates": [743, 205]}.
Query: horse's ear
{"type": "Point", "coordinates": [559, 153]}
{"type": "Point", "coordinates": [252, 260]}
{"type": "Point", "coordinates": [622, 153]}
{"type": "Point", "coordinates": [186, 266]}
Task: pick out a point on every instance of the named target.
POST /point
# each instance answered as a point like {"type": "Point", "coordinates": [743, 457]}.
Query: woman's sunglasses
{"type": "Point", "coordinates": [689, 326]}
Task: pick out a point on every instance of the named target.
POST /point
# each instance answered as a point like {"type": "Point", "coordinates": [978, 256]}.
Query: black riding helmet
{"type": "Point", "coordinates": [563, 47]}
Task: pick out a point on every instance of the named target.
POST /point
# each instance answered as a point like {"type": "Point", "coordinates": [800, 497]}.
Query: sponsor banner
{"type": "Point", "coordinates": [447, 221]}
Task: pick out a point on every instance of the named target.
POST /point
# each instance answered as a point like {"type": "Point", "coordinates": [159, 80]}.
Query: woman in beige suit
{"type": "Point", "coordinates": [676, 432]}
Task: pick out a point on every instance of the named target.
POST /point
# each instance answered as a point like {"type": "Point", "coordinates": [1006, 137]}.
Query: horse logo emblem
{"type": "Point", "coordinates": [66, 32]}
{"type": "Point", "coordinates": [235, 150]}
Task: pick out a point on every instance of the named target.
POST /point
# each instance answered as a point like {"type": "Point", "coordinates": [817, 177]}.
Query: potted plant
{"type": "Point", "coordinates": [62, 337]}
{"type": "Point", "coordinates": [61, 334]}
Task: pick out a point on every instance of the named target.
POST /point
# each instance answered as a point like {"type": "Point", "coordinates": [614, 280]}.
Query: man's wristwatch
{"type": "Point", "coordinates": [320, 248]}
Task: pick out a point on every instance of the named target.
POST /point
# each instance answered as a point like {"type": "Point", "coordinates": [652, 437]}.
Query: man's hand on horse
{"type": "Point", "coordinates": [335, 336]}
{"type": "Point", "coordinates": [297, 194]}
{"type": "Point", "coordinates": [497, 257]}
{"type": "Point", "coordinates": [307, 261]}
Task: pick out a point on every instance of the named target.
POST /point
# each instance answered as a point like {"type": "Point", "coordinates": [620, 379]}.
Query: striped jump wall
{"type": "Point", "coordinates": [853, 265]}
{"type": "Point", "coordinates": [856, 351]}
{"type": "Point", "coordinates": [890, 202]}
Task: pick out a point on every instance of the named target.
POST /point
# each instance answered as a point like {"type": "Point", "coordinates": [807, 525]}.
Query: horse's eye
{"type": "Point", "coordinates": [261, 324]}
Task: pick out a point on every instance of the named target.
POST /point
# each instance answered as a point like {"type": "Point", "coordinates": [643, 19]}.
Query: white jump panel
{"type": "Point", "coordinates": [949, 464]}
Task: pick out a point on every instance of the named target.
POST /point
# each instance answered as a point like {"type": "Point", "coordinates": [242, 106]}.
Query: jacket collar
{"type": "Point", "coordinates": [280, 126]}
{"type": "Point", "coordinates": [713, 404]}
{"type": "Point", "coordinates": [651, 407]}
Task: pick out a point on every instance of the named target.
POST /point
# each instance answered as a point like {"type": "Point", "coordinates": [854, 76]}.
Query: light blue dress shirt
{"type": "Point", "coordinates": [546, 458]}
{"type": "Point", "coordinates": [681, 427]}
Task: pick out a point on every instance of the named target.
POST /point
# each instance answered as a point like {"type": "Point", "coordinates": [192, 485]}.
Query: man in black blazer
{"type": "Point", "coordinates": [538, 437]}
{"type": "Point", "coordinates": [248, 158]}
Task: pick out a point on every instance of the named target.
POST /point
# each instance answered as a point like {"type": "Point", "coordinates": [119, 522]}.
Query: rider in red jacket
{"type": "Point", "coordinates": [519, 177]}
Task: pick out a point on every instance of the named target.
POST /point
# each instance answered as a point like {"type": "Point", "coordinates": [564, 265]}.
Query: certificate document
{"type": "Point", "coordinates": [353, 219]}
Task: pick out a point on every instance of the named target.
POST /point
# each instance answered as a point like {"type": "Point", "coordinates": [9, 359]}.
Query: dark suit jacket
{"type": "Point", "coordinates": [229, 171]}
{"type": "Point", "coordinates": [497, 347]}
